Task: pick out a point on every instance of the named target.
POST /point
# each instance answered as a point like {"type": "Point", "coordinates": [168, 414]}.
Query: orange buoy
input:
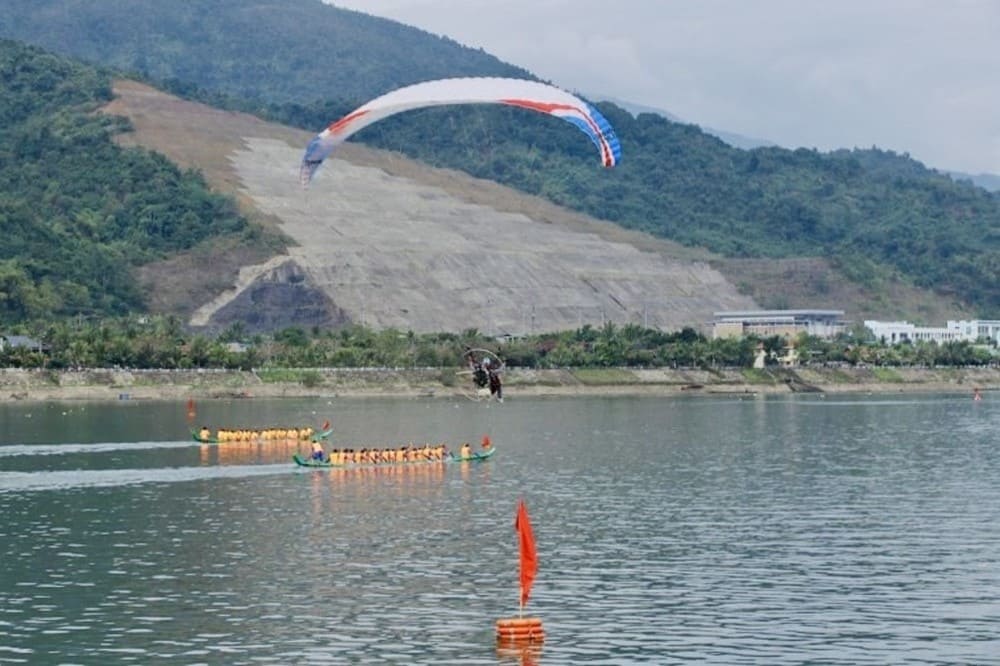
{"type": "Point", "coordinates": [527, 629]}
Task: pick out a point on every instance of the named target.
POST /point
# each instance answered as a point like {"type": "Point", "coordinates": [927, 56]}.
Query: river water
{"type": "Point", "coordinates": [718, 530]}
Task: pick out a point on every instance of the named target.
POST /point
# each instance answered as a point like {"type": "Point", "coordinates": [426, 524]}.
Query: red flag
{"type": "Point", "coordinates": [529, 558]}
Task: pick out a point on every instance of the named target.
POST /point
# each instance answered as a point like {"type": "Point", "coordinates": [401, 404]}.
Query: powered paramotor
{"type": "Point", "coordinates": [523, 93]}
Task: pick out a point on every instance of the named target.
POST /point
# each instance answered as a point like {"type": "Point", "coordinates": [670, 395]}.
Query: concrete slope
{"type": "Point", "coordinates": [393, 252]}
{"type": "Point", "coordinates": [389, 242]}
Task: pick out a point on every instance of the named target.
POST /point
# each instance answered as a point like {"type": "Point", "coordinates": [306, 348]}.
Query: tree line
{"type": "Point", "coordinates": [162, 342]}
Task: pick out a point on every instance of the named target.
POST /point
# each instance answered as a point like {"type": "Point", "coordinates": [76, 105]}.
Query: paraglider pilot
{"type": "Point", "coordinates": [479, 373]}
{"type": "Point", "coordinates": [496, 387]}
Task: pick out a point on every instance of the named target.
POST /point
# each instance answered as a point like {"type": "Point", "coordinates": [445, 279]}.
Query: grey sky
{"type": "Point", "coordinates": [915, 76]}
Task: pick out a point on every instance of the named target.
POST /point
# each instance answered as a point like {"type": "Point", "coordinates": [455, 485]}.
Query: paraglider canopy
{"type": "Point", "coordinates": [522, 93]}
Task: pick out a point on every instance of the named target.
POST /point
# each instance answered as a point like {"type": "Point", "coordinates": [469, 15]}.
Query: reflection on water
{"type": "Point", "coordinates": [696, 530]}
{"type": "Point", "coordinates": [513, 653]}
{"type": "Point", "coordinates": [246, 453]}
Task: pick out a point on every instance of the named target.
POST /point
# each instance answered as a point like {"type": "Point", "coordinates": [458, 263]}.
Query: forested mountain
{"type": "Point", "coordinates": [77, 212]}
{"type": "Point", "coordinates": [272, 50]}
{"type": "Point", "coordinates": [874, 213]}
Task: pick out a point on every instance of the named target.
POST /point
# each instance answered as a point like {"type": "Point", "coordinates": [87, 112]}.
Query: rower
{"type": "Point", "coordinates": [204, 434]}
{"type": "Point", "coordinates": [317, 451]}
{"type": "Point", "coordinates": [465, 451]}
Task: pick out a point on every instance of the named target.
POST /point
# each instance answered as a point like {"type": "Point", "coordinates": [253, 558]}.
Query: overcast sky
{"type": "Point", "coordinates": [914, 76]}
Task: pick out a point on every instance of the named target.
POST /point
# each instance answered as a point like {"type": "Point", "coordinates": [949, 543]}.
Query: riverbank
{"type": "Point", "coordinates": [103, 385]}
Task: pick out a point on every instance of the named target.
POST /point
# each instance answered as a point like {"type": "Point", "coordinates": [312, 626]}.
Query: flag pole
{"type": "Point", "coordinates": [523, 629]}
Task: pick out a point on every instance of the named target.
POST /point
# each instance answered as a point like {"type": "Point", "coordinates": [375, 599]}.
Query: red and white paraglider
{"type": "Point", "coordinates": [522, 93]}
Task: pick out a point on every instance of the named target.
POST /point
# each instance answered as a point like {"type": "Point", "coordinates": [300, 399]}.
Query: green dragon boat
{"type": "Point", "coordinates": [475, 457]}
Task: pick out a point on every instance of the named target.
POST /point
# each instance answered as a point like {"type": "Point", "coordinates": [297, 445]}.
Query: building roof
{"type": "Point", "coordinates": [730, 314]}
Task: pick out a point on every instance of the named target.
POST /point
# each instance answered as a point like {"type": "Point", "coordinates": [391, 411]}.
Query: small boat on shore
{"type": "Point", "coordinates": [477, 456]}
{"type": "Point", "coordinates": [316, 437]}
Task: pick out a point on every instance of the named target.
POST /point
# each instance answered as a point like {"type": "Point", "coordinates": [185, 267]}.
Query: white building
{"type": "Point", "coordinates": [977, 329]}
{"type": "Point", "coordinates": [787, 323]}
{"type": "Point", "coordinates": [892, 332]}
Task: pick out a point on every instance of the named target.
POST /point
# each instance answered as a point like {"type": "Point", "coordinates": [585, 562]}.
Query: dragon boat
{"type": "Point", "coordinates": [316, 436]}
{"type": "Point", "coordinates": [477, 456]}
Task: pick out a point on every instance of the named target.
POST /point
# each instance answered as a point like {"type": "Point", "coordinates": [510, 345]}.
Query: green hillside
{"type": "Point", "coordinates": [273, 50]}
{"type": "Point", "coordinates": [78, 212]}
{"type": "Point", "coordinates": [875, 214]}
